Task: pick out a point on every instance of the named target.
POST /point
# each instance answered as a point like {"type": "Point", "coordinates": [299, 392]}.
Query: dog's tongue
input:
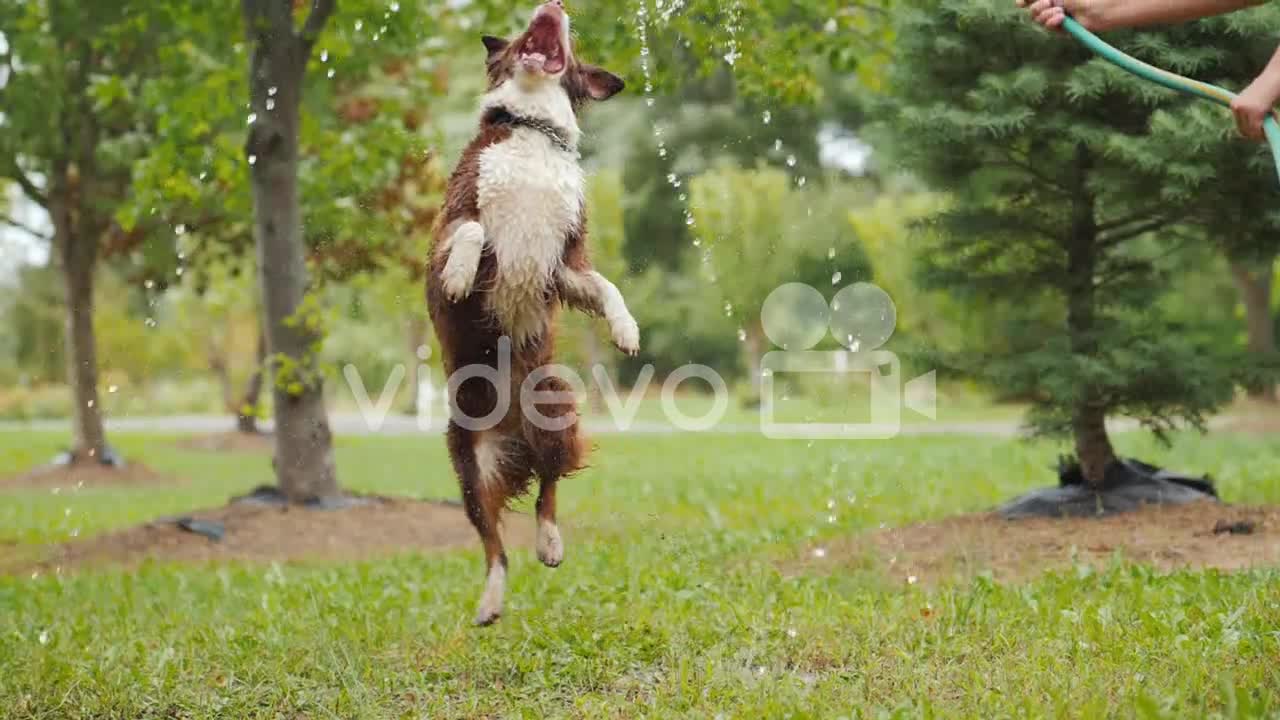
{"type": "Point", "coordinates": [554, 64]}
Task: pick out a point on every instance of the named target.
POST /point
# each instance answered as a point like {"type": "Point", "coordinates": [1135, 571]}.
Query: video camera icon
{"type": "Point", "coordinates": [862, 318]}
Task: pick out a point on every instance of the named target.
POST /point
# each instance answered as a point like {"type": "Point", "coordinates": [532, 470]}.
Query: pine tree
{"type": "Point", "coordinates": [1232, 185]}
{"type": "Point", "coordinates": [1045, 150]}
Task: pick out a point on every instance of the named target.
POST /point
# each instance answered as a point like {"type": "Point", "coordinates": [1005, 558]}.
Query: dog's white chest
{"type": "Point", "coordinates": [530, 197]}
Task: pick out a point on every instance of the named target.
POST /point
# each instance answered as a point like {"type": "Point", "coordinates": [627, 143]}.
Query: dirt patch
{"type": "Point", "coordinates": [256, 533]}
{"type": "Point", "coordinates": [87, 475]}
{"type": "Point", "coordinates": [236, 442]}
{"type": "Point", "coordinates": [1194, 536]}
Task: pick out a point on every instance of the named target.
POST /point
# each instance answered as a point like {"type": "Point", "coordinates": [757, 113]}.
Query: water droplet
{"type": "Point", "coordinates": [382, 30]}
{"type": "Point", "coordinates": [835, 279]}
{"type": "Point", "coordinates": [671, 178]}
{"type": "Point", "coordinates": [777, 145]}
{"type": "Point", "coordinates": [179, 271]}
{"type": "Point", "coordinates": [767, 117]}
{"type": "Point", "coordinates": [742, 335]}
{"type": "Point", "coordinates": [831, 253]}
{"type": "Point", "coordinates": [324, 56]}
{"type": "Point", "coordinates": [113, 389]}
{"type": "Point", "coordinates": [89, 403]}
{"type": "Point", "coordinates": [819, 552]}
{"type": "Point", "coordinates": [149, 284]}
{"type": "Point", "coordinates": [830, 27]}
{"type": "Point", "coordinates": [203, 175]}
{"type": "Point", "coordinates": [359, 25]}
{"type": "Point", "coordinates": [395, 7]}
{"type": "Point", "coordinates": [851, 499]}
{"type": "Point", "coordinates": [831, 519]}
{"type": "Point", "coordinates": [648, 101]}
{"type": "Point", "coordinates": [732, 56]}
{"type": "Point", "coordinates": [697, 242]}
{"type": "Point", "coordinates": [149, 322]}
{"type": "Point", "coordinates": [253, 118]}
{"type": "Point", "coordinates": [271, 104]}
{"type": "Point", "coordinates": [331, 73]}
{"type": "Point", "coordinates": [791, 633]}
{"type": "Point", "coordinates": [791, 161]}
{"type": "Point", "coordinates": [180, 229]}
{"type": "Point", "coordinates": [801, 182]}
{"type": "Point", "coordinates": [831, 503]}
{"type": "Point", "coordinates": [728, 309]}
{"type": "Point", "coordinates": [44, 634]}
{"type": "Point", "coordinates": [912, 579]}
{"type": "Point", "coordinates": [271, 91]}
{"type": "Point", "coordinates": [689, 221]}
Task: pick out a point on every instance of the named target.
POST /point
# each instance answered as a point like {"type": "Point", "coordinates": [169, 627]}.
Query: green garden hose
{"type": "Point", "coordinates": [1169, 80]}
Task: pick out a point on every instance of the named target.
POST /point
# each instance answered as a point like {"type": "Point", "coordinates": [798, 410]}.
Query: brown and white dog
{"type": "Point", "coordinates": [509, 248]}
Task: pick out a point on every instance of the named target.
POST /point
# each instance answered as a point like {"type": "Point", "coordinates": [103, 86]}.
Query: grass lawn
{"type": "Point", "coordinates": [670, 602]}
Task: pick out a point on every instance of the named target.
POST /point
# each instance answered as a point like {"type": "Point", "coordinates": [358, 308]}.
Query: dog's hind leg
{"type": "Point", "coordinates": [551, 430]}
{"type": "Point", "coordinates": [478, 458]}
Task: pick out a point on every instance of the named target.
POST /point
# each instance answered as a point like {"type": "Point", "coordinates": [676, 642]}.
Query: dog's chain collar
{"type": "Point", "coordinates": [502, 116]}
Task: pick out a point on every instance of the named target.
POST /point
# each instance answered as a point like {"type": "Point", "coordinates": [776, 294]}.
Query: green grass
{"type": "Point", "coordinates": [670, 603]}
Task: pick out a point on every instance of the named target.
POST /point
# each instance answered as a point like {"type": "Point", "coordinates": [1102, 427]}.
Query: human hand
{"type": "Point", "coordinates": [1255, 105]}
{"type": "Point", "coordinates": [1051, 13]}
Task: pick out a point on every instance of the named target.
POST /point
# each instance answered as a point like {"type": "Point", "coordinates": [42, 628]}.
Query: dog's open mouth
{"type": "Point", "coordinates": [543, 49]}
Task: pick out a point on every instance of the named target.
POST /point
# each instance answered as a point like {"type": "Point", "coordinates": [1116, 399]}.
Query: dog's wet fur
{"type": "Point", "coordinates": [509, 249]}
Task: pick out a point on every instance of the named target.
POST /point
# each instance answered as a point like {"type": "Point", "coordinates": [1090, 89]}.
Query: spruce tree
{"type": "Point", "coordinates": [1045, 150]}
{"type": "Point", "coordinates": [1202, 162]}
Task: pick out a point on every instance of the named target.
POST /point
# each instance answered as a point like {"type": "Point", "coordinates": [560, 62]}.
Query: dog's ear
{"type": "Point", "coordinates": [600, 83]}
{"type": "Point", "coordinates": [494, 45]}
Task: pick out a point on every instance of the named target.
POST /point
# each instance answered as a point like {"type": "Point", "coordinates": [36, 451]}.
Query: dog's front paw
{"type": "Point", "coordinates": [457, 280]}
{"type": "Point", "coordinates": [626, 335]}
{"type": "Point", "coordinates": [465, 248]}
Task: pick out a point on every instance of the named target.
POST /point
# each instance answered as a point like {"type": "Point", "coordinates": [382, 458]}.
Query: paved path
{"type": "Point", "coordinates": [354, 424]}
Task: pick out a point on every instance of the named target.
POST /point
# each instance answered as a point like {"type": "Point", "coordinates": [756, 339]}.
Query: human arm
{"type": "Point", "coordinates": [1103, 15]}
{"type": "Point", "coordinates": [1258, 101]}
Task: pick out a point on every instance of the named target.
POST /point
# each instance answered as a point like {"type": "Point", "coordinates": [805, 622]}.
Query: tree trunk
{"type": "Point", "coordinates": [304, 462]}
{"type": "Point", "coordinates": [1088, 422]}
{"type": "Point", "coordinates": [77, 246]}
{"type": "Point", "coordinates": [595, 394]}
{"type": "Point", "coordinates": [752, 352]}
{"type": "Point", "coordinates": [247, 410]}
{"type": "Point", "coordinates": [1255, 294]}
{"type": "Point", "coordinates": [218, 365]}
{"type": "Point", "coordinates": [417, 331]}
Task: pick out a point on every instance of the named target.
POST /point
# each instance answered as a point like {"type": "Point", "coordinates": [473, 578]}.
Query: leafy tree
{"type": "Point", "coordinates": [71, 130]}
{"type": "Point", "coordinates": [760, 231]}
{"type": "Point", "coordinates": [279, 56]}
{"type": "Point", "coordinates": [217, 302]}
{"type": "Point", "coordinates": [1040, 145]}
